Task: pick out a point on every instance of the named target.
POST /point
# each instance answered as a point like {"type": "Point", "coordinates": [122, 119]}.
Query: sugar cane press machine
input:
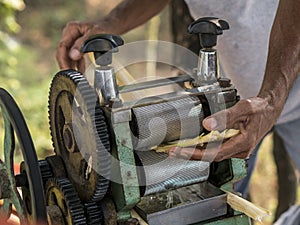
{"type": "Point", "coordinates": [103, 171]}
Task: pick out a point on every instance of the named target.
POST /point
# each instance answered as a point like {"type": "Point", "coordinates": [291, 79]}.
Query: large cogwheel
{"type": "Point", "coordinates": [61, 194]}
{"type": "Point", "coordinates": [79, 133]}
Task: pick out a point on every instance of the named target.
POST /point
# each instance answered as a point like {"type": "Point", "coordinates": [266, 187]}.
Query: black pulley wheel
{"type": "Point", "coordinates": [32, 209]}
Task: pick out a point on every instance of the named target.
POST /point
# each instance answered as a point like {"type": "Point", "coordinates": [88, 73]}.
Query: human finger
{"type": "Point", "coordinates": [62, 57]}
{"type": "Point", "coordinates": [75, 50]}
{"type": "Point", "coordinates": [195, 153]}
{"type": "Point", "coordinates": [72, 31]}
{"type": "Point", "coordinates": [230, 117]}
{"type": "Point", "coordinates": [239, 146]}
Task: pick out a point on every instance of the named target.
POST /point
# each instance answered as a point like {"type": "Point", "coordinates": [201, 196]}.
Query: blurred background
{"type": "Point", "coordinates": [29, 33]}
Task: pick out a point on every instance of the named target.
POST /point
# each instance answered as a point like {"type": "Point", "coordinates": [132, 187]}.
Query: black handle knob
{"type": "Point", "coordinates": [100, 44]}
{"type": "Point", "coordinates": [208, 28]}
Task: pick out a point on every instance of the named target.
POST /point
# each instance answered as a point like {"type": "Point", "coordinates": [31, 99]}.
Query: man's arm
{"type": "Point", "coordinates": [124, 17]}
{"type": "Point", "coordinates": [283, 64]}
{"type": "Point", "coordinates": [256, 116]}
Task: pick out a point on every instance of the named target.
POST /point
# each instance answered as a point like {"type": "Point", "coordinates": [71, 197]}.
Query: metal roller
{"type": "Point", "coordinates": [154, 124]}
{"type": "Point", "coordinates": [159, 173]}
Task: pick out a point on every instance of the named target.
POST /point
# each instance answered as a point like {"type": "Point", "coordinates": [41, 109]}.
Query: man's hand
{"type": "Point", "coordinates": [254, 117]}
{"type": "Point", "coordinates": [68, 53]}
{"type": "Point", "coordinates": [127, 15]}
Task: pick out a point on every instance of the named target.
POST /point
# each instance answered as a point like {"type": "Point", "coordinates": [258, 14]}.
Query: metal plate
{"type": "Point", "coordinates": [197, 203]}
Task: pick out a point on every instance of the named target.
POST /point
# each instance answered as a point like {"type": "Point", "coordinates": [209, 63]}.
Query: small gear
{"type": "Point", "coordinates": [46, 171]}
{"type": "Point", "coordinates": [93, 214]}
{"type": "Point", "coordinates": [79, 133]}
{"type": "Point", "coordinates": [57, 166]}
{"type": "Point", "coordinates": [60, 192]}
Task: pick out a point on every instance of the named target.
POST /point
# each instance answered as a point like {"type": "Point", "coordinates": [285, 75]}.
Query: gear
{"type": "Point", "coordinates": [46, 171]}
{"type": "Point", "coordinates": [79, 134]}
{"type": "Point", "coordinates": [59, 192]}
{"type": "Point", "coordinates": [56, 165]}
{"type": "Point", "coordinates": [93, 214]}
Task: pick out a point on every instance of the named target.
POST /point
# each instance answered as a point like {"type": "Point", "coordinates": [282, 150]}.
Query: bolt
{"type": "Point", "coordinates": [224, 82]}
{"type": "Point", "coordinates": [123, 142]}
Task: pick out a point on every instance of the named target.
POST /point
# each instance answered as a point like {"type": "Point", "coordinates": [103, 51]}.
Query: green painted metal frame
{"type": "Point", "coordinates": [126, 191]}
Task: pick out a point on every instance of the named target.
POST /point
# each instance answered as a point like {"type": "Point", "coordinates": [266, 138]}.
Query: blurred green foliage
{"type": "Point", "coordinates": [8, 26]}
{"type": "Point", "coordinates": [29, 33]}
{"type": "Point", "coordinates": [21, 77]}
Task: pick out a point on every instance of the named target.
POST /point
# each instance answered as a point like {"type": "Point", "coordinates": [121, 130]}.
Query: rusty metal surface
{"type": "Point", "coordinates": [109, 211]}
{"type": "Point", "coordinates": [54, 215]}
{"type": "Point", "coordinates": [5, 189]}
{"type": "Point", "coordinates": [131, 221]}
{"type": "Point", "coordinates": [57, 166]}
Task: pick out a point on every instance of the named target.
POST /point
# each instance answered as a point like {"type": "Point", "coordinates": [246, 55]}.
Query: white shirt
{"type": "Point", "coordinates": [243, 48]}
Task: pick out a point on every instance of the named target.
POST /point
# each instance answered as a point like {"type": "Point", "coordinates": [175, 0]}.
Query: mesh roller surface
{"type": "Point", "coordinates": [158, 123]}
{"type": "Point", "coordinates": [160, 173]}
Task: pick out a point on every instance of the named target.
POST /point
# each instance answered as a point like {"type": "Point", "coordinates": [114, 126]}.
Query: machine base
{"type": "Point", "coordinates": [187, 205]}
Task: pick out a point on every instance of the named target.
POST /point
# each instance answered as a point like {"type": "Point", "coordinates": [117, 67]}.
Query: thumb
{"type": "Point", "coordinates": [227, 118]}
{"type": "Point", "coordinates": [210, 123]}
{"type": "Point", "coordinates": [75, 51]}
{"type": "Point", "coordinates": [75, 54]}
{"type": "Point", "coordinates": [219, 121]}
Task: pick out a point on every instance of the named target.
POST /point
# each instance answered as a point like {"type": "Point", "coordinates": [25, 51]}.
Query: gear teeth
{"type": "Point", "coordinates": [46, 171]}
{"type": "Point", "coordinates": [93, 213]}
{"type": "Point", "coordinates": [73, 203]}
{"type": "Point", "coordinates": [100, 191]}
{"type": "Point", "coordinates": [99, 126]}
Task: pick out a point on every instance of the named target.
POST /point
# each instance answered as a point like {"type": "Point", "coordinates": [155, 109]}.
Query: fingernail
{"type": "Point", "coordinates": [74, 54]}
{"type": "Point", "coordinates": [211, 123]}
